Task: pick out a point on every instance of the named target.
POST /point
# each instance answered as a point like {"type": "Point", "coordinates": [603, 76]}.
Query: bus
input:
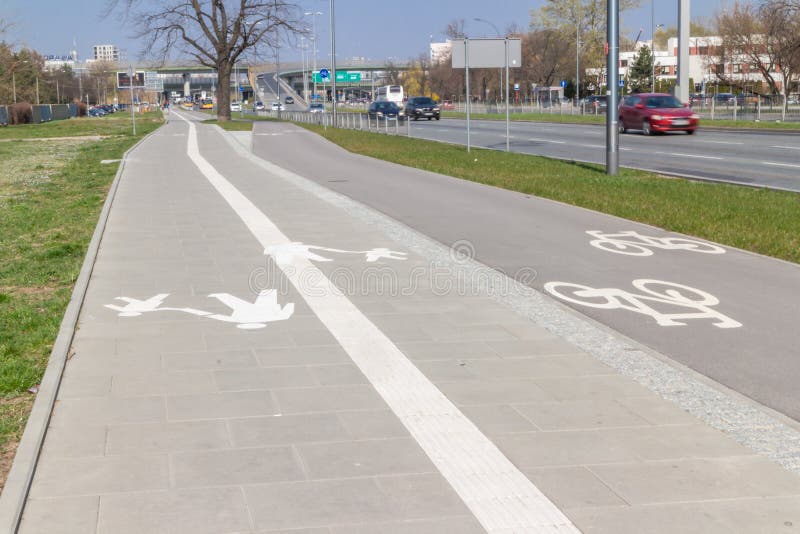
{"type": "Point", "coordinates": [390, 93]}
{"type": "Point", "coordinates": [206, 103]}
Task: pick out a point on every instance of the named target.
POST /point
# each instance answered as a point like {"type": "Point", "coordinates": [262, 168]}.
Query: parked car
{"type": "Point", "coordinates": [385, 110]}
{"type": "Point", "coordinates": [724, 98]}
{"type": "Point", "coordinates": [316, 108]}
{"type": "Point", "coordinates": [596, 103]}
{"type": "Point", "coordinates": [289, 100]}
{"type": "Point", "coordinates": [236, 106]}
{"type": "Point", "coordinates": [423, 107]}
{"type": "Point", "coordinates": [259, 106]}
{"type": "Point", "coordinates": [656, 113]}
{"type": "Point", "coordinates": [448, 105]}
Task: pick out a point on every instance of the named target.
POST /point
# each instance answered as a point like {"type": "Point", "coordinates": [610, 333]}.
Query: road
{"type": "Point", "coordinates": [765, 159]}
{"type": "Point", "coordinates": [748, 340]}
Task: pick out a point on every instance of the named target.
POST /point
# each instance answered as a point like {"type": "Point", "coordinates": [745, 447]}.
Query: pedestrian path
{"type": "Point", "coordinates": [253, 357]}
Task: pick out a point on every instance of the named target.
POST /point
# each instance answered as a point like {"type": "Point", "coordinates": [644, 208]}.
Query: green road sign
{"type": "Point", "coordinates": [341, 76]}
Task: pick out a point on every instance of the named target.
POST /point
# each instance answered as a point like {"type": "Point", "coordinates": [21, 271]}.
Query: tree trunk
{"type": "Point", "coordinates": [223, 91]}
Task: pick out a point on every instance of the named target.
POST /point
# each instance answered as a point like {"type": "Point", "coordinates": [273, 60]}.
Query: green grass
{"type": "Point", "coordinates": [759, 220]}
{"type": "Point", "coordinates": [51, 194]}
{"type": "Point", "coordinates": [115, 124]}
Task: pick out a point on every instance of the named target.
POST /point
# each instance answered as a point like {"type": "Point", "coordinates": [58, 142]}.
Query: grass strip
{"type": "Point", "coordinates": [51, 194]}
{"type": "Point", "coordinates": [758, 220]}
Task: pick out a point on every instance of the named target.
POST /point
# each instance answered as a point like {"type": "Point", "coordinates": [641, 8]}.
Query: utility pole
{"type": "Point", "coordinates": [333, 63]}
{"type": "Point", "coordinates": [684, 23]}
{"type": "Point", "coordinates": [278, 61]}
{"type": "Point", "coordinates": [612, 67]}
{"type": "Point", "coordinates": [314, 38]}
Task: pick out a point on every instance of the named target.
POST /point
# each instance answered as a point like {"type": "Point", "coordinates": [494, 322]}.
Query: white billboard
{"type": "Point", "coordinates": [486, 53]}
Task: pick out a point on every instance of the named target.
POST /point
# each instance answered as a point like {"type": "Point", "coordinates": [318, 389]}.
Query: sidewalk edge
{"type": "Point", "coordinates": [20, 477]}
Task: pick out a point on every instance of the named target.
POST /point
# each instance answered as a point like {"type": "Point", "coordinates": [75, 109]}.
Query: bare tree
{"type": "Point", "coordinates": [584, 17]}
{"type": "Point", "coordinates": [764, 38]}
{"type": "Point", "coordinates": [216, 33]}
{"type": "Point", "coordinates": [455, 29]}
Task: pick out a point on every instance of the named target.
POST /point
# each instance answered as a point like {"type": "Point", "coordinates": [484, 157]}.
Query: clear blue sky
{"type": "Point", "coordinates": [50, 26]}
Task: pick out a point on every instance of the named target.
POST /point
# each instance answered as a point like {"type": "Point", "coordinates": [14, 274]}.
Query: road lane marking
{"type": "Point", "coordinates": [547, 141]}
{"type": "Point", "coordinates": [687, 155]}
{"type": "Point", "coordinates": [789, 165]}
{"type": "Point", "coordinates": [786, 147]}
{"type": "Point", "coordinates": [718, 142]}
{"type": "Point", "coordinates": [502, 499]}
{"type": "Point", "coordinates": [696, 304]}
{"type": "Point", "coordinates": [632, 243]}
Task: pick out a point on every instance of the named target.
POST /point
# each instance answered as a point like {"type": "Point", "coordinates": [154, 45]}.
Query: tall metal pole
{"type": "Point", "coordinates": [508, 112]}
{"type": "Point", "coordinates": [314, 37]}
{"type": "Point", "coordinates": [684, 22]}
{"type": "Point", "coordinates": [278, 61]}
{"type": "Point", "coordinates": [612, 113]}
{"type": "Point", "coordinates": [577, 58]}
{"type": "Point", "coordinates": [653, 45]}
{"type": "Point", "coordinates": [333, 62]}
{"type": "Point", "coordinates": [469, 100]}
{"type": "Point", "coordinates": [14, 85]}
{"type": "Point", "coordinates": [132, 72]}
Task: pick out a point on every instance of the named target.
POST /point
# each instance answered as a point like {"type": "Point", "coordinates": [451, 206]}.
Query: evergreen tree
{"type": "Point", "coordinates": [640, 73]}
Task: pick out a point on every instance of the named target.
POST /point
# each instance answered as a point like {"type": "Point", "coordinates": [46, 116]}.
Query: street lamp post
{"type": "Point", "coordinates": [498, 35]}
{"type": "Point", "coordinates": [333, 62]}
{"type": "Point", "coordinates": [653, 29]}
{"type": "Point", "coordinates": [313, 15]}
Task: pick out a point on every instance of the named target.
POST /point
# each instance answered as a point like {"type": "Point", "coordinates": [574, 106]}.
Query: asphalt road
{"type": "Point", "coordinates": [741, 329]}
{"type": "Point", "coordinates": [769, 159]}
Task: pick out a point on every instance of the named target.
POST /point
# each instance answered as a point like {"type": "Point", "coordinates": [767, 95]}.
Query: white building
{"type": "Point", "coordinates": [107, 52]}
{"type": "Point", "coordinates": [440, 51]}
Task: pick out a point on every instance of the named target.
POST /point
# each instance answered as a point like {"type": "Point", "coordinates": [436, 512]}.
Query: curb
{"type": "Point", "coordinates": [20, 477]}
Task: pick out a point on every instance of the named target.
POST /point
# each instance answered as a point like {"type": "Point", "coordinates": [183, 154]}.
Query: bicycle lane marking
{"type": "Point", "coordinates": [496, 492]}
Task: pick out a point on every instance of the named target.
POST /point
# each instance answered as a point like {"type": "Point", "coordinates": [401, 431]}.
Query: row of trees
{"type": "Point", "coordinates": [764, 34]}
{"type": "Point", "coordinates": [23, 78]}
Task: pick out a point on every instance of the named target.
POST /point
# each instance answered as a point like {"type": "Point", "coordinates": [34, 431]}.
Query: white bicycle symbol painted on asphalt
{"type": "Point", "coordinates": [633, 243]}
{"type": "Point", "coordinates": [654, 292]}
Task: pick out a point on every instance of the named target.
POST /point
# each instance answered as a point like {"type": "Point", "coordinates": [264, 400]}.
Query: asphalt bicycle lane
{"type": "Point", "coordinates": [745, 158]}
{"type": "Point", "coordinates": [730, 316]}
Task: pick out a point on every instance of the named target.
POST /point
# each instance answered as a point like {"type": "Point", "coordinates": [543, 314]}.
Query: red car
{"type": "Point", "coordinates": [656, 113]}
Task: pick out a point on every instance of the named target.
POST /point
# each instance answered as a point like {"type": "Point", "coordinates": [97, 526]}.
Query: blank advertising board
{"type": "Point", "coordinates": [486, 53]}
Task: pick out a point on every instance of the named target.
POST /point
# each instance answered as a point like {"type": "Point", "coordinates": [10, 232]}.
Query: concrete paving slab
{"type": "Point", "coordinates": [202, 510]}
{"type": "Point", "coordinates": [69, 515]}
{"type": "Point", "coordinates": [297, 439]}
{"type": "Point", "coordinates": [234, 467]}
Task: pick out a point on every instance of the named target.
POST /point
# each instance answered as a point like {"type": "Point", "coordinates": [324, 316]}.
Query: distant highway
{"type": "Point", "coordinates": [766, 159]}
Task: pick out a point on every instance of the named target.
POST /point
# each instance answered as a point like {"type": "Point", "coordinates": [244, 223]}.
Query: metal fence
{"type": "Point", "coordinates": [347, 120]}
{"type": "Point", "coordinates": [42, 113]}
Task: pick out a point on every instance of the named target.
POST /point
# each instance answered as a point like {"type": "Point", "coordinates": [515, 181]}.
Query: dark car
{"type": "Point", "coordinates": [656, 113]}
{"type": "Point", "coordinates": [596, 104]}
{"type": "Point", "coordinates": [385, 110]}
{"type": "Point", "coordinates": [423, 107]}
{"type": "Point", "coordinates": [289, 100]}
{"type": "Point", "coordinates": [724, 98]}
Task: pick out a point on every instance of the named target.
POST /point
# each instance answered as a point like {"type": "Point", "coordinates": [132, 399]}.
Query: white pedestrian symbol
{"type": "Point", "coordinates": [670, 295]}
{"type": "Point", "coordinates": [633, 243]}
{"type": "Point", "coordinates": [246, 315]}
{"type": "Point", "coordinates": [287, 253]}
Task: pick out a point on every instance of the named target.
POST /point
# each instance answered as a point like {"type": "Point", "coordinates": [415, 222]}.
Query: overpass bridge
{"type": "Point", "coordinates": [194, 80]}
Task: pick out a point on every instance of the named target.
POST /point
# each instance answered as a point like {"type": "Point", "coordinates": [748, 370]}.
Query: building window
{"type": "Point", "coordinates": [737, 68]}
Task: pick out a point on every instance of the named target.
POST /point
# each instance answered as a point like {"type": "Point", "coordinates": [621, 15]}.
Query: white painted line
{"type": "Point", "coordinates": [687, 155]}
{"type": "Point", "coordinates": [786, 147]}
{"type": "Point", "coordinates": [547, 141]}
{"type": "Point", "coordinates": [789, 165]}
{"type": "Point", "coordinates": [593, 146]}
{"type": "Point", "coordinates": [718, 142]}
{"type": "Point", "coordinates": [498, 494]}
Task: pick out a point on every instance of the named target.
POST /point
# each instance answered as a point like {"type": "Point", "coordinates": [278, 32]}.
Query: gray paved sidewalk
{"type": "Point", "coordinates": [174, 421]}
